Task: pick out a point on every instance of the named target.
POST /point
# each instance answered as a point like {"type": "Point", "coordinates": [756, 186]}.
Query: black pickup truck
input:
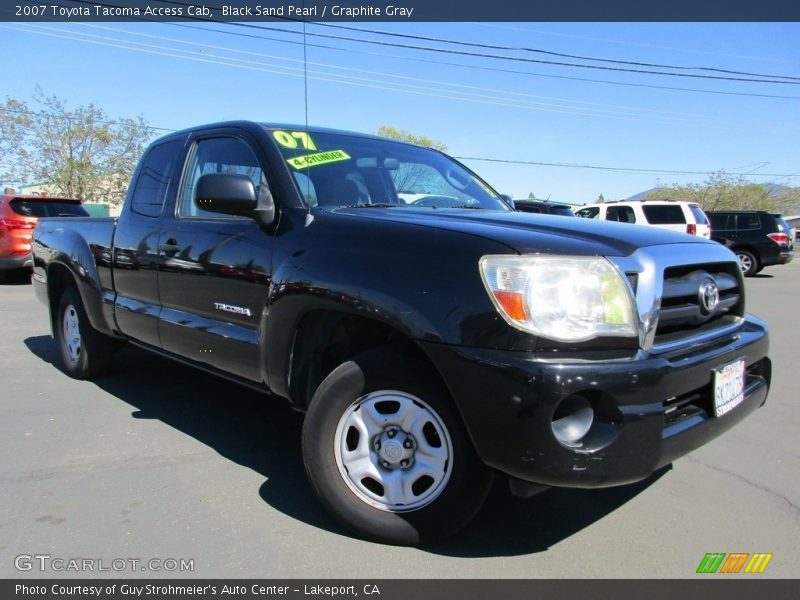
{"type": "Point", "coordinates": [432, 335]}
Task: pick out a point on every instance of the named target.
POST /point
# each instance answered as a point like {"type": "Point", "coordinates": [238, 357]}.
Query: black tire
{"type": "Point", "coordinates": [433, 508]}
{"type": "Point", "coordinates": [85, 352]}
{"type": "Point", "coordinates": [748, 262]}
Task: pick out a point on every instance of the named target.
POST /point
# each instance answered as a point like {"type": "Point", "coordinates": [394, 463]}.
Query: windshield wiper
{"type": "Point", "coordinates": [471, 206]}
{"type": "Point", "coordinates": [373, 205]}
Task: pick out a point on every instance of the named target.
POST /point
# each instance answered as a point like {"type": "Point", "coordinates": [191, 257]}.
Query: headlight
{"type": "Point", "coordinates": [563, 298]}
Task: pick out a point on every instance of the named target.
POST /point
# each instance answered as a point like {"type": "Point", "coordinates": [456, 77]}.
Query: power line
{"type": "Point", "coordinates": [493, 90]}
{"type": "Point", "coordinates": [483, 68]}
{"type": "Point", "coordinates": [100, 122]}
{"type": "Point", "coordinates": [638, 44]}
{"type": "Point", "coordinates": [472, 54]}
{"type": "Point", "coordinates": [515, 58]}
{"type": "Point", "coordinates": [618, 169]}
{"type": "Point", "coordinates": [459, 65]}
{"type": "Point", "coordinates": [490, 99]}
{"type": "Point", "coordinates": [549, 52]}
{"type": "Point", "coordinates": [500, 160]}
{"type": "Point", "coordinates": [516, 48]}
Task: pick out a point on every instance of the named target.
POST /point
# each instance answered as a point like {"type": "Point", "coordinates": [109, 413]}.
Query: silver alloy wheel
{"type": "Point", "coordinates": [746, 262]}
{"type": "Point", "coordinates": [393, 451]}
{"type": "Point", "coordinates": [71, 333]}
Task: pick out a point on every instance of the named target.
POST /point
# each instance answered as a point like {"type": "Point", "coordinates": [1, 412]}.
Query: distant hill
{"type": "Point", "coordinates": [642, 195]}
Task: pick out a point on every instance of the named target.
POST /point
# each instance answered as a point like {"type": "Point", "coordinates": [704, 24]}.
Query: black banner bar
{"type": "Point", "coordinates": [705, 588]}
{"type": "Point", "coordinates": [401, 10]}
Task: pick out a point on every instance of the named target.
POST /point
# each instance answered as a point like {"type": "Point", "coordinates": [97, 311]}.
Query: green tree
{"type": "Point", "coordinates": [723, 191]}
{"type": "Point", "coordinates": [406, 136]}
{"type": "Point", "coordinates": [79, 153]}
{"type": "Point", "coordinates": [531, 196]}
{"type": "Point", "coordinates": [600, 199]}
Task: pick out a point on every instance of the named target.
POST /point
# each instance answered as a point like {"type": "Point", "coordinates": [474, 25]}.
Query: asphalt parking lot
{"type": "Point", "coordinates": [159, 461]}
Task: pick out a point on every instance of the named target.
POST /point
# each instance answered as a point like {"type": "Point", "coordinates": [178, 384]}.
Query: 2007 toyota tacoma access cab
{"type": "Point", "coordinates": [432, 335]}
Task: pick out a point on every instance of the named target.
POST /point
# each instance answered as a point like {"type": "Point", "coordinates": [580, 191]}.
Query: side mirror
{"type": "Point", "coordinates": [508, 200]}
{"type": "Point", "coordinates": [232, 195]}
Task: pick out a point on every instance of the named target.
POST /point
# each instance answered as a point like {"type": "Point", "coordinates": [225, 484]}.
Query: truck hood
{"type": "Point", "coordinates": [528, 233]}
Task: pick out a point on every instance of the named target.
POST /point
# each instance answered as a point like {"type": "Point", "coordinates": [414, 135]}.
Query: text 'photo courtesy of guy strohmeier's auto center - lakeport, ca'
{"type": "Point", "coordinates": [367, 303]}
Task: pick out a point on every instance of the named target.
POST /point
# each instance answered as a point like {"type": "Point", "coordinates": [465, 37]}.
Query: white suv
{"type": "Point", "coordinates": [667, 214]}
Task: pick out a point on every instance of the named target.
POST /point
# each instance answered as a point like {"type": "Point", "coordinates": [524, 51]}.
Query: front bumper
{"type": "Point", "coordinates": [649, 410]}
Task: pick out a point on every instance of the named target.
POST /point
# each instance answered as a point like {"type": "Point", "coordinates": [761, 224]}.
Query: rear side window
{"type": "Point", "coordinates": [154, 178]}
{"type": "Point", "coordinates": [782, 225]}
{"type": "Point", "coordinates": [45, 208]}
{"type": "Point", "coordinates": [721, 222]}
{"type": "Point", "coordinates": [748, 222]}
{"type": "Point", "coordinates": [623, 214]}
{"type": "Point", "coordinates": [699, 215]}
{"type": "Point", "coordinates": [663, 214]}
{"type": "Point", "coordinates": [588, 213]}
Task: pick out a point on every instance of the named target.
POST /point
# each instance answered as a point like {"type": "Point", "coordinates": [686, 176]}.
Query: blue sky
{"type": "Point", "coordinates": [177, 77]}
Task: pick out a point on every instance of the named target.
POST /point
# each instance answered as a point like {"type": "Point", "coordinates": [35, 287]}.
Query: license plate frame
{"type": "Point", "coordinates": [728, 389]}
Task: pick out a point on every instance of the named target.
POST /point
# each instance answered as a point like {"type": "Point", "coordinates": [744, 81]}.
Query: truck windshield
{"type": "Point", "coordinates": [334, 170]}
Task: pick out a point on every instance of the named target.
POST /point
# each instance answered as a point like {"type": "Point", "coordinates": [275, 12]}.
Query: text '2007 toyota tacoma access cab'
{"type": "Point", "coordinates": [432, 335]}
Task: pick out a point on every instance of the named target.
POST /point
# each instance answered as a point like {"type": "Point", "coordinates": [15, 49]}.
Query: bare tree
{"type": "Point", "coordinates": [79, 153]}
{"type": "Point", "coordinates": [412, 177]}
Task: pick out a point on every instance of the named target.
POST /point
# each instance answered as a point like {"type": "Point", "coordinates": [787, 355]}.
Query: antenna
{"type": "Point", "coordinates": [309, 216]}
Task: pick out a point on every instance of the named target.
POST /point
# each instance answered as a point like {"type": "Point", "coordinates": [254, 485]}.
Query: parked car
{"type": "Point", "coordinates": [666, 214]}
{"type": "Point", "coordinates": [759, 239]}
{"type": "Point", "coordinates": [18, 218]}
{"type": "Point", "coordinates": [429, 346]}
{"type": "Point", "coordinates": [545, 208]}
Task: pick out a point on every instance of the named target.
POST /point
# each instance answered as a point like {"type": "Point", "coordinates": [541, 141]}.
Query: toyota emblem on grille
{"type": "Point", "coordinates": [709, 296]}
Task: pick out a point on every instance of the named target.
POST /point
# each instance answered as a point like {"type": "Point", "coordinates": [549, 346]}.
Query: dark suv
{"type": "Point", "coordinates": [758, 238]}
{"type": "Point", "coordinates": [545, 208]}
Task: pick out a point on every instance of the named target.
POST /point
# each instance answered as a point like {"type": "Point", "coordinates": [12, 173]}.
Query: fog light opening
{"type": "Point", "coordinates": [572, 420]}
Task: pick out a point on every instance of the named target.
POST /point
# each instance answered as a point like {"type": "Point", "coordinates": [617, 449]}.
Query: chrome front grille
{"type": "Point", "coordinates": [686, 294]}
{"type": "Point", "coordinates": [684, 305]}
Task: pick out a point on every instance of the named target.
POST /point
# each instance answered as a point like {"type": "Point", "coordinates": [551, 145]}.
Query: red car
{"type": "Point", "coordinates": [18, 218]}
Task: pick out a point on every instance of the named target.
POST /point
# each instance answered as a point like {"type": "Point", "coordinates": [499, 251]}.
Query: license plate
{"type": "Point", "coordinates": [728, 387]}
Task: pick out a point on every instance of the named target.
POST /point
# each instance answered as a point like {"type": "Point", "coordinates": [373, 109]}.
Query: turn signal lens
{"type": "Point", "coordinates": [513, 304]}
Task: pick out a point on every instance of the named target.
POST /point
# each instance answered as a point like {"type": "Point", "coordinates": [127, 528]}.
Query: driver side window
{"type": "Point", "coordinates": [218, 155]}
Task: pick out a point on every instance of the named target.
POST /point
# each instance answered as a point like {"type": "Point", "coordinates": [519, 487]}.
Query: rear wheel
{"type": "Point", "coordinates": [85, 352]}
{"type": "Point", "coordinates": [748, 262]}
{"type": "Point", "coordinates": [387, 453]}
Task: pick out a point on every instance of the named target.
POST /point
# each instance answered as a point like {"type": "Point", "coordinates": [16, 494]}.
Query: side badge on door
{"type": "Point", "coordinates": [238, 310]}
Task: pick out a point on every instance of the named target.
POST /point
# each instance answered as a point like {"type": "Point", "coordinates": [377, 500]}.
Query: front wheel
{"type": "Point", "coordinates": [748, 262]}
{"type": "Point", "coordinates": [387, 454]}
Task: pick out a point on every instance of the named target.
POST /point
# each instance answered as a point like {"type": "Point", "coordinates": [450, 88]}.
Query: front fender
{"type": "Point", "coordinates": [421, 282]}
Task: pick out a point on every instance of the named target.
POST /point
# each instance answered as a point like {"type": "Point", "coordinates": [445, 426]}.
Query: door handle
{"type": "Point", "coordinates": [170, 247]}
